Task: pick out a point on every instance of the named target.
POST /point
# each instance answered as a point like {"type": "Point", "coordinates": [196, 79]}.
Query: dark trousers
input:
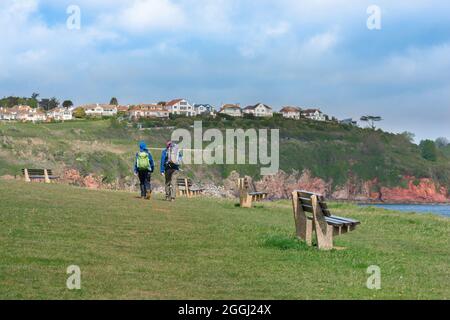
{"type": "Point", "coordinates": [170, 176]}
{"type": "Point", "coordinates": [144, 180]}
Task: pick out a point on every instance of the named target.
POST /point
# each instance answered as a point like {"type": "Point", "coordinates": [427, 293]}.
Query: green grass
{"type": "Point", "coordinates": [129, 248]}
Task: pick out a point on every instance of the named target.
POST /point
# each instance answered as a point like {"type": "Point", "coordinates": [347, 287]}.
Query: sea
{"type": "Point", "coordinates": [441, 210]}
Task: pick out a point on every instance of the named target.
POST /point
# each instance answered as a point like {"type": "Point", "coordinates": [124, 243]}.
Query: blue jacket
{"type": "Point", "coordinates": [164, 160]}
{"type": "Point", "coordinates": [143, 148]}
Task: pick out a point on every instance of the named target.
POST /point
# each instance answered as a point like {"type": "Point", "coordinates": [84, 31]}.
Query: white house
{"type": "Point", "coordinates": [26, 113]}
{"type": "Point", "coordinates": [6, 114]}
{"type": "Point", "coordinates": [180, 107]}
{"type": "Point", "coordinates": [148, 111]}
{"type": "Point", "coordinates": [100, 110]}
{"type": "Point", "coordinates": [233, 110]}
{"type": "Point", "coordinates": [60, 114]}
{"type": "Point", "coordinates": [291, 112]}
{"type": "Point", "coordinates": [314, 114]}
{"type": "Point", "coordinates": [259, 110]}
{"type": "Point", "coordinates": [36, 116]}
{"type": "Point", "coordinates": [204, 109]}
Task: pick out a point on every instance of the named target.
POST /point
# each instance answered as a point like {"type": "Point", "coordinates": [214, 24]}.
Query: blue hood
{"type": "Point", "coordinates": [142, 146]}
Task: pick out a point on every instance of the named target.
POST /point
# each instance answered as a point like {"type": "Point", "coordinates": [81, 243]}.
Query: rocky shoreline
{"type": "Point", "coordinates": [281, 185]}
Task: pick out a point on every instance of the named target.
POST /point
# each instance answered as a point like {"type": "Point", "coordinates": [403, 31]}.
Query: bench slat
{"type": "Point", "coordinates": [347, 220]}
{"type": "Point", "coordinates": [309, 209]}
{"type": "Point", "coordinates": [334, 222]}
{"type": "Point", "coordinates": [257, 193]}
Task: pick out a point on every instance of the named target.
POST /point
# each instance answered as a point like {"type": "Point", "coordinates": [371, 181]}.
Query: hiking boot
{"type": "Point", "coordinates": [149, 196]}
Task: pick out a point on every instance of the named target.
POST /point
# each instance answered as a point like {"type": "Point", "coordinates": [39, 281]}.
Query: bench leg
{"type": "Point", "coordinates": [324, 231]}
{"type": "Point", "coordinates": [325, 237]}
{"type": "Point", "coordinates": [46, 178]}
{"type": "Point", "coordinates": [303, 226]}
{"type": "Point", "coordinates": [246, 201]}
{"type": "Point", "coordinates": [27, 176]}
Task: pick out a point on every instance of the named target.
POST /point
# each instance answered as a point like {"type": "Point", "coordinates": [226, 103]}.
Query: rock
{"type": "Point", "coordinates": [418, 190]}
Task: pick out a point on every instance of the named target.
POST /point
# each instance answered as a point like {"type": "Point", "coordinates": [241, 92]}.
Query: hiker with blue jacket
{"type": "Point", "coordinates": [170, 164]}
{"type": "Point", "coordinates": [143, 168]}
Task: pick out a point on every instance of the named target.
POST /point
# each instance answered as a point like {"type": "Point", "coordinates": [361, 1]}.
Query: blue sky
{"type": "Point", "coordinates": [316, 53]}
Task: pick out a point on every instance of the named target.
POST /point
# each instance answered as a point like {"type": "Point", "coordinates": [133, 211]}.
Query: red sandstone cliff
{"type": "Point", "coordinates": [417, 190]}
{"type": "Point", "coordinates": [424, 190]}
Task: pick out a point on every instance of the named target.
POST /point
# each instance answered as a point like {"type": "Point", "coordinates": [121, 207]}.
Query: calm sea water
{"type": "Point", "coordinates": [442, 210]}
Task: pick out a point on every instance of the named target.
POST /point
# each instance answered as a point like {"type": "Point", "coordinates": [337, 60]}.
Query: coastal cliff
{"type": "Point", "coordinates": [412, 190]}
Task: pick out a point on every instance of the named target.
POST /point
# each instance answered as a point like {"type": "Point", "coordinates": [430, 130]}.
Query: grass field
{"type": "Point", "coordinates": [129, 248]}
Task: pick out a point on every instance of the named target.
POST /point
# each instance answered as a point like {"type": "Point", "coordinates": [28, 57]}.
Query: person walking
{"type": "Point", "coordinates": [170, 165]}
{"type": "Point", "coordinates": [143, 168]}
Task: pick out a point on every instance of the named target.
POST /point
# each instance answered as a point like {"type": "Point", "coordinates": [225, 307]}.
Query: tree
{"type": "Point", "coordinates": [67, 104]}
{"type": "Point", "coordinates": [44, 104]}
{"type": "Point", "coordinates": [49, 104]}
{"type": "Point", "coordinates": [54, 103]}
{"type": "Point", "coordinates": [408, 136]}
{"type": "Point", "coordinates": [79, 113]}
{"type": "Point", "coordinates": [114, 101]}
{"type": "Point", "coordinates": [442, 142]}
{"type": "Point", "coordinates": [371, 120]}
{"type": "Point", "coordinates": [428, 150]}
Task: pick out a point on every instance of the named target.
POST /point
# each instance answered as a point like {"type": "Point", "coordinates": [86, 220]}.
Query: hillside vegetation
{"type": "Point", "coordinates": [333, 152]}
{"type": "Point", "coordinates": [129, 248]}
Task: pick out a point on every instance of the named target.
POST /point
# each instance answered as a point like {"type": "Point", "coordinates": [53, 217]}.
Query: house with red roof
{"type": "Point", "coordinates": [180, 107]}
{"type": "Point", "coordinates": [290, 112]}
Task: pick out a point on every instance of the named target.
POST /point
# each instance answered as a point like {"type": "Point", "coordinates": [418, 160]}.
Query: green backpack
{"type": "Point", "coordinates": [143, 162]}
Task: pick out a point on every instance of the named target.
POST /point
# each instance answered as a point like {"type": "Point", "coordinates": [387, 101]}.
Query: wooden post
{"type": "Point", "coordinates": [46, 178]}
{"type": "Point", "coordinates": [303, 225]}
{"type": "Point", "coordinates": [324, 231]}
{"type": "Point", "coordinates": [27, 176]}
{"type": "Point", "coordinates": [186, 188]}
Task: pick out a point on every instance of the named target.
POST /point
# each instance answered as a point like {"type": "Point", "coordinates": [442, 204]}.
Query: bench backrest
{"type": "Point", "coordinates": [245, 184]}
{"type": "Point", "coordinates": [37, 172]}
{"type": "Point", "coordinates": [182, 182]}
{"type": "Point", "coordinates": [305, 200]}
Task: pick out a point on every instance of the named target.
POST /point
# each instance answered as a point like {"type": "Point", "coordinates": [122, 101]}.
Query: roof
{"type": "Point", "coordinates": [59, 109]}
{"type": "Point", "coordinates": [290, 109]}
{"type": "Point", "coordinates": [123, 108]}
{"type": "Point", "coordinates": [311, 111]}
{"type": "Point", "coordinates": [173, 102]}
{"type": "Point", "coordinates": [256, 105]}
{"type": "Point", "coordinates": [197, 105]}
{"type": "Point", "coordinates": [230, 106]}
{"type": "Point", "coordinates": [20, 108]}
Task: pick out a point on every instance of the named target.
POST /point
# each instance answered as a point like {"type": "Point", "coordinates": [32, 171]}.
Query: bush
{"type": "Point", "coordinates": [428, 150]}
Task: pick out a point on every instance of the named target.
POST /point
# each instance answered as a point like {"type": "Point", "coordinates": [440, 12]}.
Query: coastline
{"type": "Point", "coordinates": [372, 202]}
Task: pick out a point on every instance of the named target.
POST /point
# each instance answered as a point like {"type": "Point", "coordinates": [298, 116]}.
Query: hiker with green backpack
{"type": "Point", "coordinates": [143, 168]}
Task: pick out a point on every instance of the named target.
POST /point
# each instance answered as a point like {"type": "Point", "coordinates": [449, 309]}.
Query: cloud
{"type": "Point", "coordinates": [322, 42]}
{"type": "Point", "coordinates": [147, 15]}
{"type": "Point", "coordinates": [287, 51]}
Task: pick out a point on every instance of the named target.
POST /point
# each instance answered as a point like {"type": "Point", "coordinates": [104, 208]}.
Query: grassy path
{"type": "Point", "coordinates": [206, 249]}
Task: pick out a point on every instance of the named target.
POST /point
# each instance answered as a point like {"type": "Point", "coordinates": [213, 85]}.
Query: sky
{"type": "Point", "coordinates": [316, 53]}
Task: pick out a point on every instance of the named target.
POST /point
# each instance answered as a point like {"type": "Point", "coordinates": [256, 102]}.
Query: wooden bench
{"type": "Point", "coordinates": [185, 188]}
{"type": "Point", "coordinates": [311, 214]}
{"type": "Point", "coordinates": [39, 174]}
{"type": "Point", "coordinates": [248, 193]}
